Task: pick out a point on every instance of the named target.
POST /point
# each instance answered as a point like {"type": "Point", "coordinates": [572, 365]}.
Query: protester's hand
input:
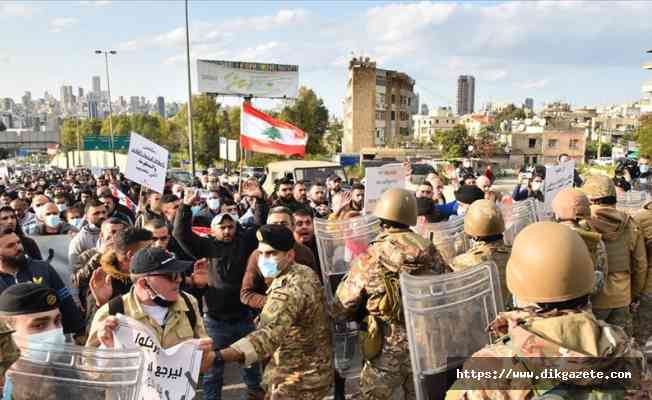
{"type": "Point", "coordinates": [101, 288]}
{"type": "Point", "coordinates": [236, 197]}
{"type": "Point", "coordinates": [253, 191]}
{"type": "Point", "coordinates": [208, 354]}
{"type": "Point", "coordinates": [105, 331]}
{"type": "Point", "coordinates": [199, 275]}
{"type": "Point", "coordinates": [345, 200]}
{"type": "Point", "coordinates": [190, 196]}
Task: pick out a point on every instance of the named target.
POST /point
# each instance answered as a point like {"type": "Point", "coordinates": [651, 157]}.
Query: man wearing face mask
{"type": "Point", "coordinates": [9, 221]}
{"type": "Point", "coordinates": [294, 325]}
{"type": "Point", "coordinates": [157, 301]}
{"type": "Point", "coordinates": [95, 214]}
{"type": "Point", "coordinates": [525, 189]}
{"type": "Point", "coordinates": [15, 267]}
{"type": "Point", "coordinates": [206, 214]}
{"type": "Point", "coordinates": [227, 319]}
{"type": "Point", "coordinates": [49, 222]}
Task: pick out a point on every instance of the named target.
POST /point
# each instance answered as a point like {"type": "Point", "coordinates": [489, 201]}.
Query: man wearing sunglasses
{"type": "Point", "coordinates": [157, 301]}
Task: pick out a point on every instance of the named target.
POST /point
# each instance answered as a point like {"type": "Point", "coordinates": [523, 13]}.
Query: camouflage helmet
{"type": "Point", "coordinates": [572, 204]}
{"type": "Point", "coordinates": [397, 205]}
{"type": "Point", "coordinates": [483, 218]}
{"type": "Point", "coordinates": [549, 263]}
{"type": "Point", "coordinates": [598, 186]}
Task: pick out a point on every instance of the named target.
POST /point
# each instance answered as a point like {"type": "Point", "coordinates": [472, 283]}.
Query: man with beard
{"type": "Point", "coordinates": [152, 209]}
{"type": "Point", "coordinates": [299, 192]}
{"type": "Point", "coordinates": [304, 233]}
{"type": "Point", "coordinates": [25, 217]}
{"type": "Point", "coordinates": [89, 233]}
{"type": "Point", "coordinates": [318, 202]}
{"type": "Point", "coordinates": [8, 220]}
{"type": "Point", "coordinates": [113, 207]}
{"type": "Point", "coordinates": [353, 201]}
{"type": "Point", "coordinates": [15, 267]}
{"type": "Point", "coordinates": [284, 196]}
{"type": "Point", "coordinates": [334, 186]}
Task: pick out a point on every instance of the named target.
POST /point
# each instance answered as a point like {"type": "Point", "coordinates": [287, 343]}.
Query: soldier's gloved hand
{"type": "Point", "coordinates": [208, 354]}
{"type": "Point", "coordinates": [105, 331]}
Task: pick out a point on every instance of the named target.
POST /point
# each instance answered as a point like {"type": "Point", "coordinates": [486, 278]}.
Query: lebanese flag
{"type": "Point", "coordinates": [122, 198]}
{"type": "Point", "coordinates": [261, 133]}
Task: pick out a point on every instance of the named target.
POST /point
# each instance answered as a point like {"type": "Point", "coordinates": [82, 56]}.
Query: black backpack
{"type": "Point", "coordinates": [117, 306]}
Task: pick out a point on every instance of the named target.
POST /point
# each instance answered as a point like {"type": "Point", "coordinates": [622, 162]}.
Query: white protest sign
{"type": "Point", "coordinates": [379, 179]}
{"type": "Point", "coordinates": [4, 172]}
{"type": "Point", "coordinates": [558, 177]}
{"type": "Point", "coordinates": [147, 163]}
{"type": "Point", "coordinates": [169, 373]}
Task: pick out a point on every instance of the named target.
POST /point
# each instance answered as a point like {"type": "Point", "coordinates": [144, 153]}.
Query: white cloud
{"type": "Point", "coordinates": [402, 21]}
{"type": "Point", "coordinates": [536, 84]}
{"type": "Point", "coordinates": [63, 23]}
{"type": "Point", "coordinates": [16, 9]}
{"type": "Point", "coordinates": [4, 59]}
{"type": "Point", "coordinates": [97, 3]}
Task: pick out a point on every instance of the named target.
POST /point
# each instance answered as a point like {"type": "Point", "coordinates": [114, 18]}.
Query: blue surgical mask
{"type": "Point", "coordinates": [76, 222]}
{"type": "Point", "coordinates": [52, 221]}
{"type": "Point", "coordinates": [195, 210]}
{"type": "Point", "coordinates": [268, 267]}
{"type": "Point", "coordinates": [644, 168]}
{"type": "Point", "coordinates": [213, 204]}
{"type": "Point", "coordinates": [39, 344]}
{"type": "Point", "coordinates": [62, 207]}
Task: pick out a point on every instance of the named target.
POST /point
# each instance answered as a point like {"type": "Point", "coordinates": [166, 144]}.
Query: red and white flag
{"type": "Point", "coordinates": [122, 198]}
{"type": "Point", "coordinates": [261, 133]}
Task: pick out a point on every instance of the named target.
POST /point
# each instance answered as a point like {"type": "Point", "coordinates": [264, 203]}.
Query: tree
{"type": "Point", "coordinates": [454, 143]}
{"type": "Point", "coordinates": [121, 125]}
{"type": "Point", "coordinates": [311, 115]}
{"type": "Point", "coordinates": [205, 129]}
{"type": "Point", "coordinates": [644, 136]}
{"type": "Point", "coordinates": [591, 151]}
{"type": "Point", "coordinates": [485, 144]}
{"type": "Point", "coordinates": [507, 114]}
{"type": "Point", "coordinates": [333, 137]}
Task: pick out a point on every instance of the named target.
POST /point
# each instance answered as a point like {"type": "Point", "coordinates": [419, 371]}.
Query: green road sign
{"type": "Point", "coordinates": [104, 142]}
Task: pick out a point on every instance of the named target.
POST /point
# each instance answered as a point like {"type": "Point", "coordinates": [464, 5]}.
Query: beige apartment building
{"type": "Point", "coordinates": [378, 107]}
{"type": "Point", "coordinates": [545, 147]}
{"type": "Point", "coordinates": [438, 120]}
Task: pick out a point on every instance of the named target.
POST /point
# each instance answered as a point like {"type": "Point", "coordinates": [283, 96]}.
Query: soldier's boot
{"type": "Point", "coordinates": [255, 394]}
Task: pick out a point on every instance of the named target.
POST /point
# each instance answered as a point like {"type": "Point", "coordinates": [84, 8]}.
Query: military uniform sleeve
{"type": "Point", "coordinates": [351, 290]}
{"type": "Point", "coordinates": [9, 351]}
{"type": "Point", "coordinates": [100, 316]}
{"type": "Point", "coordinates": [282, 309]}
{"type": "Point", "coordinates": [640, 275]}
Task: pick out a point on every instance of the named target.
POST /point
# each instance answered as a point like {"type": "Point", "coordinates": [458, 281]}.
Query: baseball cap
{"type": "Point", "coordinates": [219, 217]}
{"type": "Point", "coordinates": [155, 260]}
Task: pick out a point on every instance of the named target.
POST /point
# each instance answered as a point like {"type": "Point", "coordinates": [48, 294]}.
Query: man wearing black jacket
{"type": "Point", "coordinates": [8, 220]}
{"type": "Point", "coordinates": [226, 318]}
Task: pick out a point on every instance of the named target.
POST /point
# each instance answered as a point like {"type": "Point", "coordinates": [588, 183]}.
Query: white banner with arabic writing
{"type": "Point", "coordinates": [379, 179]}
{"type": "Point", "coordinates": [170, 374]}
{"type": "Point", "coordinates": [558, 177]}
{"type": "Point", "coordinates": [147, 163]}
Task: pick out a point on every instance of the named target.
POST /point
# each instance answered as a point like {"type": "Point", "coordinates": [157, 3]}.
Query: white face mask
{"type": "Point", "coordinates": [536, 185]}
{"type": "Point", "coordinates": [644, 168]}
{"type": "Point", "coordinates": [39, 344]}
{"type": "Point", "coordinates": [461, 211]}
{"type": "Point", "coordinates": [213, 204]}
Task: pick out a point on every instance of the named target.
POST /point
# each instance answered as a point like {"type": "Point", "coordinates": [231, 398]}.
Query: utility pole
{"type": "Point", "coordinates": [108, 84]}
{"type": "Point", "coordinates": [190, 136]}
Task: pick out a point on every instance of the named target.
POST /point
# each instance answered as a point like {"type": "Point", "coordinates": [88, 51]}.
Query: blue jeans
{"type": "Point", "coordinates": [225, 333]}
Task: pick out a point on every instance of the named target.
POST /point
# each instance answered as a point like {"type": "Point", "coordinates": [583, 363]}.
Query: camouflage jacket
{"type": "Point", "coordinates": [9, 352]}
{"type": "Point", "coordinates": [294, 329]}
{"type": "Point", "coordinates": [498, 252]}
{"type": "Point", "coordinates": [533, 340]}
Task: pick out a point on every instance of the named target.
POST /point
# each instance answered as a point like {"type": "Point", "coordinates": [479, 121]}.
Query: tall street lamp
{"type": "Point", "coordinates": [108, 84]}
{"type": "Point", "coordinates": [190, 136]}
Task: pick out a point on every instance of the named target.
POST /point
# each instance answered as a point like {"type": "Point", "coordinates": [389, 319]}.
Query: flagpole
{"type": "Point", "coordinates": [243, 153]}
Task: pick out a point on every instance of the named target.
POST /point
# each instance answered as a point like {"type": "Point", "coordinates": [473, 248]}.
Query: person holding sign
{"type": "Point", "coordinates": [156, 301]}
{"type": "Point", "coordinates": [294, 326]}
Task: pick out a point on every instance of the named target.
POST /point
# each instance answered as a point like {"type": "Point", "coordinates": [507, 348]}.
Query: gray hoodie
{"type": "Point", "coordinates": [86, 239]}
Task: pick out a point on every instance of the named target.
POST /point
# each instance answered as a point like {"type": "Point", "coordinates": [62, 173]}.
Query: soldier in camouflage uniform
{"type": "Point", "coordinates": [484, 224]}
{"type": "Point", "coordinates": [551, 280]}
{"type": "Point", "coordinates": [572, 208]}
{"type": "Point", "coordinates": [293, 327]}
{"type": "Point", "coordinates": [387, 369]}
{"type": "Point", "coordinates": [643, 316]}
{"type": "Point", "coordinates": [626, 256]}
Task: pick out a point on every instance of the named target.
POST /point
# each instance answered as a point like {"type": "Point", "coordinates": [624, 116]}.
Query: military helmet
{"type": "Point", "coordinates": [397, 205]}
{"type": "Point", "coordinates": [598, 186]}
{"type": "Point", "coordinates": [572, 204]}
{"type": "Point", "coordinates": [549, 263]}
{"type": "Point", "coordinates": [483, 218]}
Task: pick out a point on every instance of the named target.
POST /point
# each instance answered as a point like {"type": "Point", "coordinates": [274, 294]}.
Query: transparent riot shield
{"type": "Point", "coordinates": [446, 317]}
{"type": "Point", "coordinates": [517, 217]}
{"type": "Point", "coordinates": [447, 236]}
{"type": "Point", "coordinates": [58, 371]}
{"type": "Point", "coordinates": [54, 249]}
{"type": "Point", "coordinates": [338, 243]}
{"type": "Point", "coordinates": [632, 201]}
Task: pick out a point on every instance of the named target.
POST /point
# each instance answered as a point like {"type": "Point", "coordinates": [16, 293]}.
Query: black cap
{"type": "Point", "coordinates": [277, 236]}
{"type": "Point", "coordinates": [155, 260]}
{"type": "Point", "coordinates": [334, 178]}
{"type": "Point", "coordinates": [467, 194]}
{"type": "Point", "coordinates": [27, 298]}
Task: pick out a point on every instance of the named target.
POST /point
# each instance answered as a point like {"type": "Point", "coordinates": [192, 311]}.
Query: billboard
{"type": "Point", "coordinates": [247, 79]}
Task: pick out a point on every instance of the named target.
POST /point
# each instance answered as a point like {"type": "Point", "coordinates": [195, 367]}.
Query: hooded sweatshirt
{"type": "Point", "coordinates": [623, 283]}
{"type": "Point", "coordinates": [84, 240]}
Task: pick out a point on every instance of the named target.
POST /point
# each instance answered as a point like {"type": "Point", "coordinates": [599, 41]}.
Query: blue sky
{"type": "Point", "coordinates": [587, 53]}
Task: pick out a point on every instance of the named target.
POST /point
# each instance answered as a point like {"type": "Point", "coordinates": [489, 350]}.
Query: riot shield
{"type": "Point", "coordinates": [632, 201]}
{"type": "Point", "coordinates": [338, 243]}
{"type": "Point", "coordinates": [54, 249]}
{"type": "Point", "coordinates": [447, 236]}
{"type": "Point", "coordinates": [517, 217]}
{"type": "Point", "coordinates": [446, 317]}
{"type": "Point", "coordinates": [57, 371]}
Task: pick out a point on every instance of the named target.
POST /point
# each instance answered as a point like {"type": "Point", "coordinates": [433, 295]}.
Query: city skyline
{"type": "Point", "coordinates": [513, 49]}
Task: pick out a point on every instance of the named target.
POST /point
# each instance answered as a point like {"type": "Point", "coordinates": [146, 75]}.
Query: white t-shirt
{"type": "Point", "coordinates": [157, 313]}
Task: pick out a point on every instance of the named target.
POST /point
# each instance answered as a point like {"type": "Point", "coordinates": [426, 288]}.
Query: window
{"type": "Point", "coordinates": [409, 100]}
{"type": "Point", "coordinates": [393, 114]}
{"type": "Point", "coordinates": [380, 115]}
{"type": "Point", "coordinates": [436, 121]}
{"type": "Point", "coordinates": [532, 143]}
{"type": "Point", "coordinates": [393, 100]}
{"type": "Point", "coordinates": [552, 143]}
{"type": "Point", "coordinates": [573, 144]}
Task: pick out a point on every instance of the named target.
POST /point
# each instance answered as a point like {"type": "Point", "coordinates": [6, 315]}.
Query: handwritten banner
{"type": "Point", "coordinates": [147, 163]}
{"type": "Point", "coordinates": [558, 177]}
{"type": "Point", "coordinates": [170, 374]}
{"type": "Point", "coordinates": [379, 179]}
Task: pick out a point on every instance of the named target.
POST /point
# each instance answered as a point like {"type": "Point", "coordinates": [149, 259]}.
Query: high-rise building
{"type": "Point", "coordinates": [646, 103]}
{"type": "Point", "coordinates": [465, 94]}
{"type": "Point", "coordinates": [378, 107]}
{"type": "Point", "coordinates": [529, 104]}
{"type": "Point", "coordinates": [66, 97]}
{"type": "Point", "coordinates": [27, 99]}
{"type": "Point", "coordinates": [93, 110]}
{"type": "Point", "coordinates": [80, 93]}
{"type": "Point", "coordinates": [424, 109]}
{"type": "Point", "coordinates": [134, 104]}
{"type": "Point", "coordinates": [96, 84]}
{"type": "Point", "coordinates": [160, 106]}
{"type": "Point", "coordinates": [7, 104]}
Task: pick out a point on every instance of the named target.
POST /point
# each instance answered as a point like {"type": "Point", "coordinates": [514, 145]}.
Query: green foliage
{"type": "Point", "coordinates": [507, 114]}
{"type": "Point", "coordinates": [454, 143]}
{"type": "Point", "coordinates": [73, 126]}
{"type": "Point", "coordinates": [333, 138]}
{"type": "Point", "coordinates": [591, 151]}
{"type": "Point", "coordinates": [644, 135]}
{"type": "Point", "coordinates": [485, 144]}
{"type": "Point", "coordinates": [311, 115]}
{"type": "Point", "coordinates": [205, 127]}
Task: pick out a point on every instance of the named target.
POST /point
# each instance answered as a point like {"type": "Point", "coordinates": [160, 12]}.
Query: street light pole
{"type": "Point", "coordinates": [108, 84]}
{"type": "Point", "coordinates": [190, 136]}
